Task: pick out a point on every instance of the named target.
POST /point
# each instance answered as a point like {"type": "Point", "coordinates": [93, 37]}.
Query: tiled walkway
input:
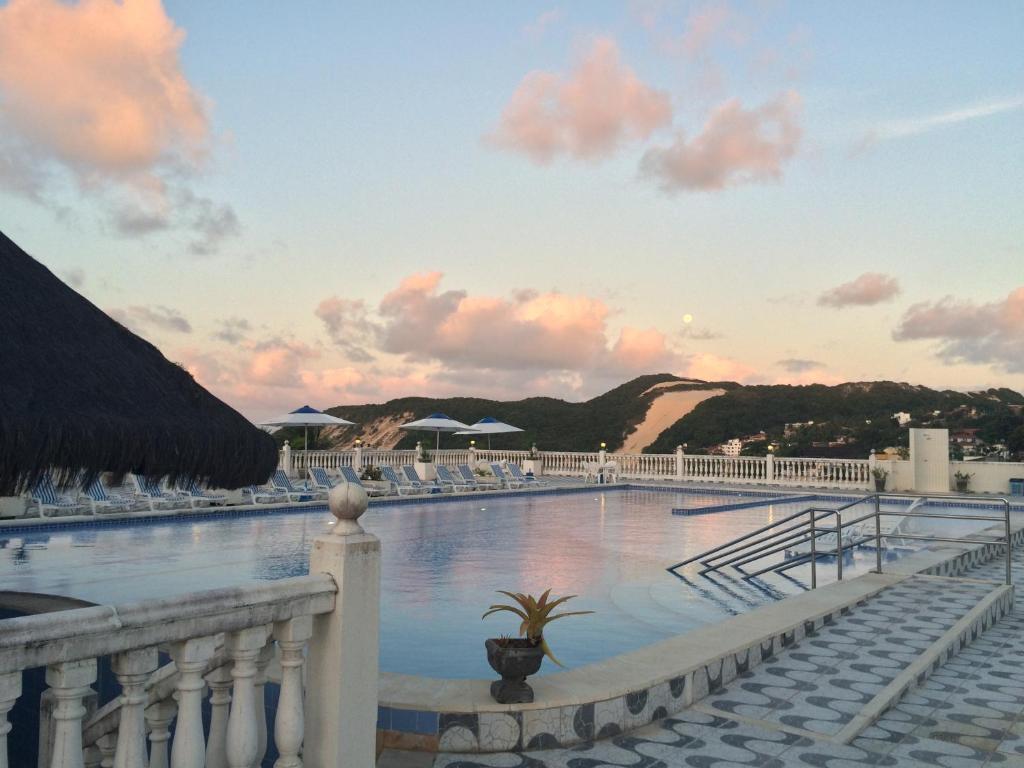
{"type": "Point", "coordinates": [968, 713]}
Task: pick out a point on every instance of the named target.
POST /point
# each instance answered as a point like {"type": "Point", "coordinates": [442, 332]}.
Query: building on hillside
{"type": "Point", "coordinates": [793, 428]}
{"type": "Point", "coordinates": [732, 447]}
{"type": "Point", "coordinates": [964, 437]}
{"type": "Point", "coordinates": [902, 418]}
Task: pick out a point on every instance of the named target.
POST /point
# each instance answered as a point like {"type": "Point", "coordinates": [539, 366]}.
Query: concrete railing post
{"type": "Point", "coordinates": [679, 462]}
{"type": "Point", "coordinates": [286, 459]}
{"type": "Point", "coordinates": [472, 457]}
{"type": "Point", "coordinates": [341, 692]}
{"type": "Point", "coordinates": [769, 467]}
{"type": "Point", "coordinates": [357, 458]}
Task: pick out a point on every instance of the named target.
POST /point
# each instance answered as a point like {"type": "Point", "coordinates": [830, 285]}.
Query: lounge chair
{"type": "Point", "coordinates": [263, 495]}
{"type": "Point", "coordinates": [503, 479]}
{"type": "Point", "coordinates": [525, 480]}
{"type": "Point", "coordinates": [401, 486]}
{"type": "Point", "coordinates": [446, 480]}
{"type": "Point", "coordinates": [46, 497]}
{"type": "Point", "coordinates": [351, 476]}
{"type": "Point", "coordinates": [471, 479]}
{"type": "Point", "coordinates": [413, 479]}
{"type": "Point", "coordinates": [152, 494]}
{"type": "Point", "coordinates": [321, 480]}
{"type": "Point", "coordinates": [192, 493]}
{"type": "Point", "coordinates": [101, 500]}
{"type": "Point", "coordinates": [281, 483]}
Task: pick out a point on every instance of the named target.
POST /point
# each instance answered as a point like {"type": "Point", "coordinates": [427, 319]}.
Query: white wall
{"type": "Point", "coordinates": [988, 476]}
{"type": "Point", "coordinates": [929, 458]}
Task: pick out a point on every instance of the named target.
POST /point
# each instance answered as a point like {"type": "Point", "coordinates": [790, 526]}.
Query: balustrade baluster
{"type": "Point", "coordinates": [289, 724]}
{"type": "Point", "coordinates": [259, 683]}
{"type": "Point", "coordinates": [191, 658]}
{"type": "Point", "coordinates": [158, 718]}
{"type": "Point", "coordinates": [220, 682]}
{"type": "Point", "coordinates": [69, 682]}
{"type": "Point", "coordinates": [132, 669]}
{"type": "Point", "coordinates": [10, 690]}
{"type": "Point", "coordinates": [92, 758]}
{"type": "Point", "coordinates": [107, 745]}
{"type": "Point", "coordinates": [243, 649]}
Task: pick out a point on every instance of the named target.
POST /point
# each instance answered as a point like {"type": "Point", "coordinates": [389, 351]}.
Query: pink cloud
{"type": "Point", "coordinates": [707, 25]}
{"type": "Point", "coordinates": [711, 367]}
{"type": "Point", "coordinates": [535, 30]}
{"type": "Point", "coordinates": [278, 362]}
{"type": "Point", "coordinates": [95, 89]}
{"type": "Point", "coordinates": [867, 290]}
{"type": "Point", "coordinates": [588, 114]}
{"type": "Point", "coordinates": [736, 146]}
{"type": "Point", "coordinates": [63, 72]}
{"type": "Point", "coordinates": [970, 332]}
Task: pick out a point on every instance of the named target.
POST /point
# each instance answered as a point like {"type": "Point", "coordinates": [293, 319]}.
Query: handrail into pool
{"type": "Point", "coordinates": [747, 549]}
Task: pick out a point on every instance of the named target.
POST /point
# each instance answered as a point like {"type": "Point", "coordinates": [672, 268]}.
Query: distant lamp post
{"type": "Point", "coordinates": [358, 442]}
{"type": "Point", "coordinates": [603, 446]}
{"type": "Point", "coordinates": [472, 443]}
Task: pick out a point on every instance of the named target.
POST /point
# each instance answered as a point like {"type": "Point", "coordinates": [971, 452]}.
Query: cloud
{"type": "Point", "coordinates": [535, 30]}
{"type": "Point", "coordinates": [915, 126]}
{"type": "Point", "coordinates": [867, 290]}
{"type": "Point", "coordinates": [278, 362]}
{"type": "Point", "coordinates": [145, 319]}
{"type": "Point", "coordinates": [735, 146]}
{"type": "Point", "coordinates": [709, 24]}
{"type": "Point", "coordinates": [233, 330]}
{"type": "Point", "coordinates": [799, 365]}
{"type": "Point", "coordinates": [694, 333]}
{"type": "Point", "coordinates": [587, 114]}
{"type": "Point", "coordinates": [348, 325]}
{"type": "Point", "coordinates": [971, 333]}
{"type": "Point", "coordinates": [94, 91]}
{"type": "Point", "coordinates": [711, 367]}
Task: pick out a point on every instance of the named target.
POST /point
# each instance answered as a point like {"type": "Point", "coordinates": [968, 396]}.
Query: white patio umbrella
{"type": "Point", "coordinates": [437, 423]}
{"type": "Point", "coordinates": [307, 417]}
{"type": "Point", "coordinates": [490, 426]}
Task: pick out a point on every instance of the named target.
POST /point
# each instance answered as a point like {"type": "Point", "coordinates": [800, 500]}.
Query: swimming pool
{"type": "Point", "coordinates": [442, 563]}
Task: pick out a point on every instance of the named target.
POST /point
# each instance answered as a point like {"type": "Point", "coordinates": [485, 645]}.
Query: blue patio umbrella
{"type": "Point", "coordinates": [490, 426]}
{"type": "Point", "coordinates": [437, 423]}
{"type": "Point", "coordinates": [307, 417]}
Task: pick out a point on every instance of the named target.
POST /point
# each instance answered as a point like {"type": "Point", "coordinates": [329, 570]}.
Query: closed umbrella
{"type": "Point", "coordinates": [490, 426]}
{"type": "Point", "coordinates": [307, 417]}
{"type": "Point", "coordinates": [437, 423]}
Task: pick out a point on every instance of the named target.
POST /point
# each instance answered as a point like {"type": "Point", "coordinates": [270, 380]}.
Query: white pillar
{"type": "Point", "coordinates": [292, 636]}
{"type": "Point", "coordinates": [132, 669]}
{"type": "Point", "coordinates": [769, 467]}
{"type": "Point", "coordinates": [472, 457]}
{"type": "Point", "coordinates": [69, 682]}
{"type": "Point", "coordinates": [357, 459]}
{"type": "Point", "coordinates": [341, 694]}
{"type": "Point", "coordinates": [10, 690]}
{"type": "Point", "coordinates": [286, 459]}
{"type": "Point", "coordinates": [191, 658]}
{"type": "Point", "coordinates": [679, 462]}
{"type": "Point", "coordinates": [220, 682]}
{"type": "Point", "coordinates": [107, 744]}
{"type": "Point", "coordinates": [243, 648]}
{"type": "Point", "coordinates": [159, 717]}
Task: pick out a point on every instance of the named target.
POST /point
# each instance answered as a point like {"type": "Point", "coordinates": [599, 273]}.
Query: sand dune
{"type": "Point", "coordinates": [665, 411]}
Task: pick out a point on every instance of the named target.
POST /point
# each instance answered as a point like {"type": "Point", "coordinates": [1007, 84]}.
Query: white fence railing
{"type": "Point", "coordinates": [766, 470]}
{"type": "Point", "coordinates": [221, 641]}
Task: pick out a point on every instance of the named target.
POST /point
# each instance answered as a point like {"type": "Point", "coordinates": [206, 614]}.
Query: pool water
{"type": "Point", "coordinates": [442, 563]}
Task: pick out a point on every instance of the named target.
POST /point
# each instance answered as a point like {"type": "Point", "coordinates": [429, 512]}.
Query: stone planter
{"type": "Point", "coordinates": [426, 471]}
{"type": "Point", "coordinates": [514, 660]}
{"type": "Point", "coordinates": [880, 484]}
{"type": "Point", "coordinates": [533, 467]}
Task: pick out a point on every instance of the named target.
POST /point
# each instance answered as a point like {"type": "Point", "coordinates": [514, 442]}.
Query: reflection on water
{"type": "Point", "coordinates": [442, 564]}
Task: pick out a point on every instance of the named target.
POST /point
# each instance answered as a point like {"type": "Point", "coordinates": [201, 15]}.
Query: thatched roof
{"type": "Point", "coordinates": [80, 392]}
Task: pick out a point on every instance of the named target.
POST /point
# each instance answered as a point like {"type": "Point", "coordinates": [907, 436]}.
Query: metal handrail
{"type": "Point", "coordinates": [747, 549]}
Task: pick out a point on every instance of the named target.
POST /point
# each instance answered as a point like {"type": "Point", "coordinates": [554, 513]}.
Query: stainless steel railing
{"type": "Point", "coordinates": [803, 528]}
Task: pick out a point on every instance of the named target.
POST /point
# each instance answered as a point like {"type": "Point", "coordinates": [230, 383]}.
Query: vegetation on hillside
{"type": "Point", "coordinates": [860, 414]}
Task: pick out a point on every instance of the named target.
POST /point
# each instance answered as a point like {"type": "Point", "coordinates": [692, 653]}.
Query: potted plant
{"type": "Point", "coordinates": [962, 480]}
{"type": "Point", "coordinates": [880, 476]}
{"type": "Point", "coordinates": [533, 465]}
{"type": "Point", "coordinates": [424, 464]}
{"type": "Point", "coordinates": [371, 473]}
{"type": "Point", "coordinates": [516, 658]}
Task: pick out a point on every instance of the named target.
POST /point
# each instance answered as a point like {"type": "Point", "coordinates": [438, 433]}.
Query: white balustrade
{"type": "Point", "coordinates": [291, 636]}
{"type": "Point", "coordinates": [220, 682]}
{"type": "Point", "coordinates": [10, 690]}
{"type": "Point", "coordinates": [132, 669]}
{"type": "Point", "coordinates": [243, 648]}
{"type": "Point", "coordinates": [190, 659]}
{"type": "Point", "coordinates": [159, 717]}
{"type": "Point", "coordinates": [70, 682]}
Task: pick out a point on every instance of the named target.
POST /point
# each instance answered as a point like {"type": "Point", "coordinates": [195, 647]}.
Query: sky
{"type": "Point", "coordinates": [333, 203]}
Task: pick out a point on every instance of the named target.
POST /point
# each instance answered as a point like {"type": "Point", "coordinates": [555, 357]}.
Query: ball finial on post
{"type": "Point", "coordinates": [347, 502]}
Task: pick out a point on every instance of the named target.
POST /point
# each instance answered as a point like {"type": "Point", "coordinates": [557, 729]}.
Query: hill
{"type": "Point", "coordinates": [657, 412]}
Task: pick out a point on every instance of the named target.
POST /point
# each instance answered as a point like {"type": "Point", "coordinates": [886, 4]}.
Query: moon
{"type": "Point", "coordinates": [687, 318]}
